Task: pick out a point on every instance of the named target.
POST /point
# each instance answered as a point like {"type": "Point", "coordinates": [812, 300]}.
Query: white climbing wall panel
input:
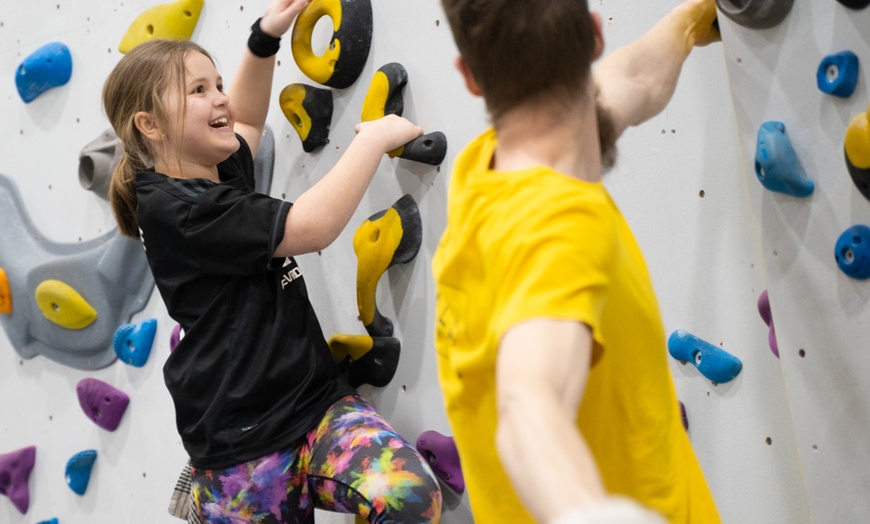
{"type": "Point", "coordinates": [820, 314]}
{"type": "Point", "coordinates": [683, 180]}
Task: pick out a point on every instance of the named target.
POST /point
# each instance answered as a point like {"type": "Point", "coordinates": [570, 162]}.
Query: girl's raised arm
{"type": "Point", "coordinates": [251, 87]}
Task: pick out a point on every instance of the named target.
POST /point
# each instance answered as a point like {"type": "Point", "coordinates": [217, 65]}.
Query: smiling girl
{"type": "Point", "coordinates": [264, 410]}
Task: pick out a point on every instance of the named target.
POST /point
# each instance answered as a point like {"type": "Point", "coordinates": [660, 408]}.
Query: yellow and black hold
{"type": "Point", "coordinates": [369, 360]}
{"type": "Point", "coordinates": [384, 97]}
{"type": "Point", "coordinates": [387, 238]}
{"type": "Point", "coordinates": [309, 111]}
{"type": "Point", "coordinates": [856, 148]}
{"type": "Point", "coordinates": [343, 61]}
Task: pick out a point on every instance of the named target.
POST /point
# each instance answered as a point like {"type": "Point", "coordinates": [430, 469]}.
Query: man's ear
{"type": "Point", "coordinates": [599, 36]}
{"type": "Point", "coordinates": [470, 82]}
{"type": "Point", "coordinates": [147, 125]}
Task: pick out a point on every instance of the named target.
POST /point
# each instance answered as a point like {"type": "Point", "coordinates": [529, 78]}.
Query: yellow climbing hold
{"type": "Point", "coordinates": [5, 294]}
{"type": "Point", "coordinates": [857, 141]}
{"type": "Point", "coordinates": [63, 305]}
{"type": "Point", "coordinates": [173, 21]}
{"type": "Point", "coordinates": [376, 98]}
{"type": "Point", "coordinates": [353, 346]}
{"type": "Point", "coordinates": [318, 68]}
{"type": "Point", "coordinates": [291, 100]}
{"type": "Point", "coordinates": [375, 243]}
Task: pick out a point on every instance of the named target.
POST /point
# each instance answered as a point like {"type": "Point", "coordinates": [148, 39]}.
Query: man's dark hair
{"type": "Point", "coordinates": [524, 50]}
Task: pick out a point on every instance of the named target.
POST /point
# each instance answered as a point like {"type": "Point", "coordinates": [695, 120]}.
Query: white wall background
{"type": "Point", "coordinates": [710, 253]}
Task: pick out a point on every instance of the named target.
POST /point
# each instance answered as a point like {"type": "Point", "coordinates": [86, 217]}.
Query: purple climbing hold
{"type": "Point", "coordinates": [47, 67]}
{"type": "Point", "coordinates": [78, 470]}
{"type": "Point", "coordinates": [102, 403]}
{"type": "Point", "coordinates": [175, 337]}
{"type": "Point", "coordinates": [684, 416]}
{"type": "Point", "coordinates": [15, 468]}
{"type": "Point", "coordinates": [133, 342]}
{"type": "Point", "coordinates": [440, 451]}
{"type": "Point", "coordinates": [764, 311]}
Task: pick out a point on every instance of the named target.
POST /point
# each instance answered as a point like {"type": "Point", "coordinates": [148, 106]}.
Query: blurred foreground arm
{"type": "Point", "coordinates": [541, 376]}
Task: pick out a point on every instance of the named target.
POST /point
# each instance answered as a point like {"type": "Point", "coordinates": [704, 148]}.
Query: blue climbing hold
{"type": "Point", "coordinates": [47, 67]}
{"type": "Point", "coordinates": [776, 163]}
{"type": "Point", "coordinates": [50, 521]}
{"type": "Point", "coordinates": [78, 470]}
{"type": "Point", "coordinates": [133, 342]}
{"type": "Point", "coordinates": [838, 74]}
{"type": "Point", "coordinates": [713, 362]}
{"type": "Point", "coordinates": [853, 252]}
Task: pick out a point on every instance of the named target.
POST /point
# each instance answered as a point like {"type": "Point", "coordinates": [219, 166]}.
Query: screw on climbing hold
{"type": "Point", "coordinates": [342, 63]}
{"type": "Point", "coordinates": [852, 252]}
{"type": "Point", "coordinates": [102, 403]}
{"type": "Point", "coordinates": [384, 97]}
{"type": "Point", "coordinates": [48, 67]}
{"type": "Point", "coordinates": [369, 360]}
{"type": "Point", "coordinates": [63, 305]}
{"type": "Point", "coordinates": [78, 471]}
{"type": "Point", "coordinates": [856, 148]}
{"type": "Point", "coordinates": [764, 311]}
{"type": "Point", "coordinates": [171, 21]}
{"type": "Point", "coordinates": [776, 163]}
{"type": "Point", "coordinates": [443, 457]}
{"type": "Point", "coordinates": [756, 14]}
{"type": "Point", "coordinates": [132, 342]}
{"type": "Point", "coordinates": [713, 362]}
{"type": "Point", "coordinates": [838, 74]}
{"type": "Point", "coordinates": [15, 468]}
{"type": "Point", "coordinates": [387, 238]}
{"type": "Point", "coordinates": [309, 111]}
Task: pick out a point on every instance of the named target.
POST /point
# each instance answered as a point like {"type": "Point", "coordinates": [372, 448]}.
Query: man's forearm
{"type": "Point", "coordinates": [638, 80]}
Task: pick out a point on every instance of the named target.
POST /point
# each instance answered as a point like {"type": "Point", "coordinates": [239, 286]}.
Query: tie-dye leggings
{"type": "Point", "coordinates": [352, 462]}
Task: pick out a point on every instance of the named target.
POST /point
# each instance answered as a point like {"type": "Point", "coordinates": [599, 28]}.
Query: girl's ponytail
{"type": "Point", "coordinates": [122, 195]}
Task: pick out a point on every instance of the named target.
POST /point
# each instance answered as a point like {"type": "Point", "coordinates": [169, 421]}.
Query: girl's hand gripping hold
{"type": "Point", "coordinates": [280, 15]}
{"type": "Point", "coordinates": [388, 132]}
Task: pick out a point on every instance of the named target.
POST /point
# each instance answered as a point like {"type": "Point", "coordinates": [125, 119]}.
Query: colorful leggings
{"type": "Point", "coordinates": [352, 462]}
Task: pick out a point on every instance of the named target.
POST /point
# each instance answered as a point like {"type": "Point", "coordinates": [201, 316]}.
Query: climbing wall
{"type": "Point", "coordinates": [684, 181]}
{"type": "Point", "coordinates": [820, 312]}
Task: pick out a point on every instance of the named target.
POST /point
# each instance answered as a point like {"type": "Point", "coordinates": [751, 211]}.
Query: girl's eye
{"type": "Point", "coordinates": [220, 87]}
{"type": "Point", "coordinates": [199, 89]}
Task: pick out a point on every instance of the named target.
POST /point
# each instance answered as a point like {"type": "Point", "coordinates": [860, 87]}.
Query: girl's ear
{"type": "Point", "coordinates": [147, 125]}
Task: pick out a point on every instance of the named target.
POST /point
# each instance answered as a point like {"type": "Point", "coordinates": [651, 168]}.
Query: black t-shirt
{"type": "Point", "coordinates": [253, 371]}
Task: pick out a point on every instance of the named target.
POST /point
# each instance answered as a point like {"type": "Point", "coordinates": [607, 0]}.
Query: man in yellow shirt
{"type": "Point", "coordinates": [551, 348]}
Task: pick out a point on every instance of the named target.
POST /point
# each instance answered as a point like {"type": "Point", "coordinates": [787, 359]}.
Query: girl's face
{"type": "Point", "coordinates": [200, 135]}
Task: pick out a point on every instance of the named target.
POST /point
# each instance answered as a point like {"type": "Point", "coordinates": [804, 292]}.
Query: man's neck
{"type": "Point", "coordinates": [559, 136]}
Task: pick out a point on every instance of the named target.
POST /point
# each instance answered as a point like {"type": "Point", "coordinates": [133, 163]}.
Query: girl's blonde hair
{"type": "Point", "coordinates": [136, 84]}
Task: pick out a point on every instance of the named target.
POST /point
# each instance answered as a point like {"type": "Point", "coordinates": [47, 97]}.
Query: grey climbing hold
{"type": "Point", "coordinates": [756, 14]}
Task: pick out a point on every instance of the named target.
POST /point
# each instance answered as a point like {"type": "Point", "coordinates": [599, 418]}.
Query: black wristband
{"type": "Point", "coordinates": [262, 44]}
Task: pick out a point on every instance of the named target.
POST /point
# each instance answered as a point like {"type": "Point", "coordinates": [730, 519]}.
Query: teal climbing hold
{"type": "Point", "coordinates": [78, 470]}
{"type": "Point", "coordinates": [713, 362]}
{"type": "Point", "coordinates": [48, 67]}
{"type": "Point", "coordinates": [49, 521]}
{"type": "Point", "coordinates": [838, 74]}
{"type": "Point", "coordinates": [776, 163]}
{"type": "Point", "coordinates": [133, 342]}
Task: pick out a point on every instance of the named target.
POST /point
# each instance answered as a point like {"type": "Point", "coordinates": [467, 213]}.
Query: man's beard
{"type": "Point", "coordinates": [606, 136]}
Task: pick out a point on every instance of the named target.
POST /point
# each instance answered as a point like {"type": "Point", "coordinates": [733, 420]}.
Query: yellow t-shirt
{"type": "Point", "coordinates": [536, 243]}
